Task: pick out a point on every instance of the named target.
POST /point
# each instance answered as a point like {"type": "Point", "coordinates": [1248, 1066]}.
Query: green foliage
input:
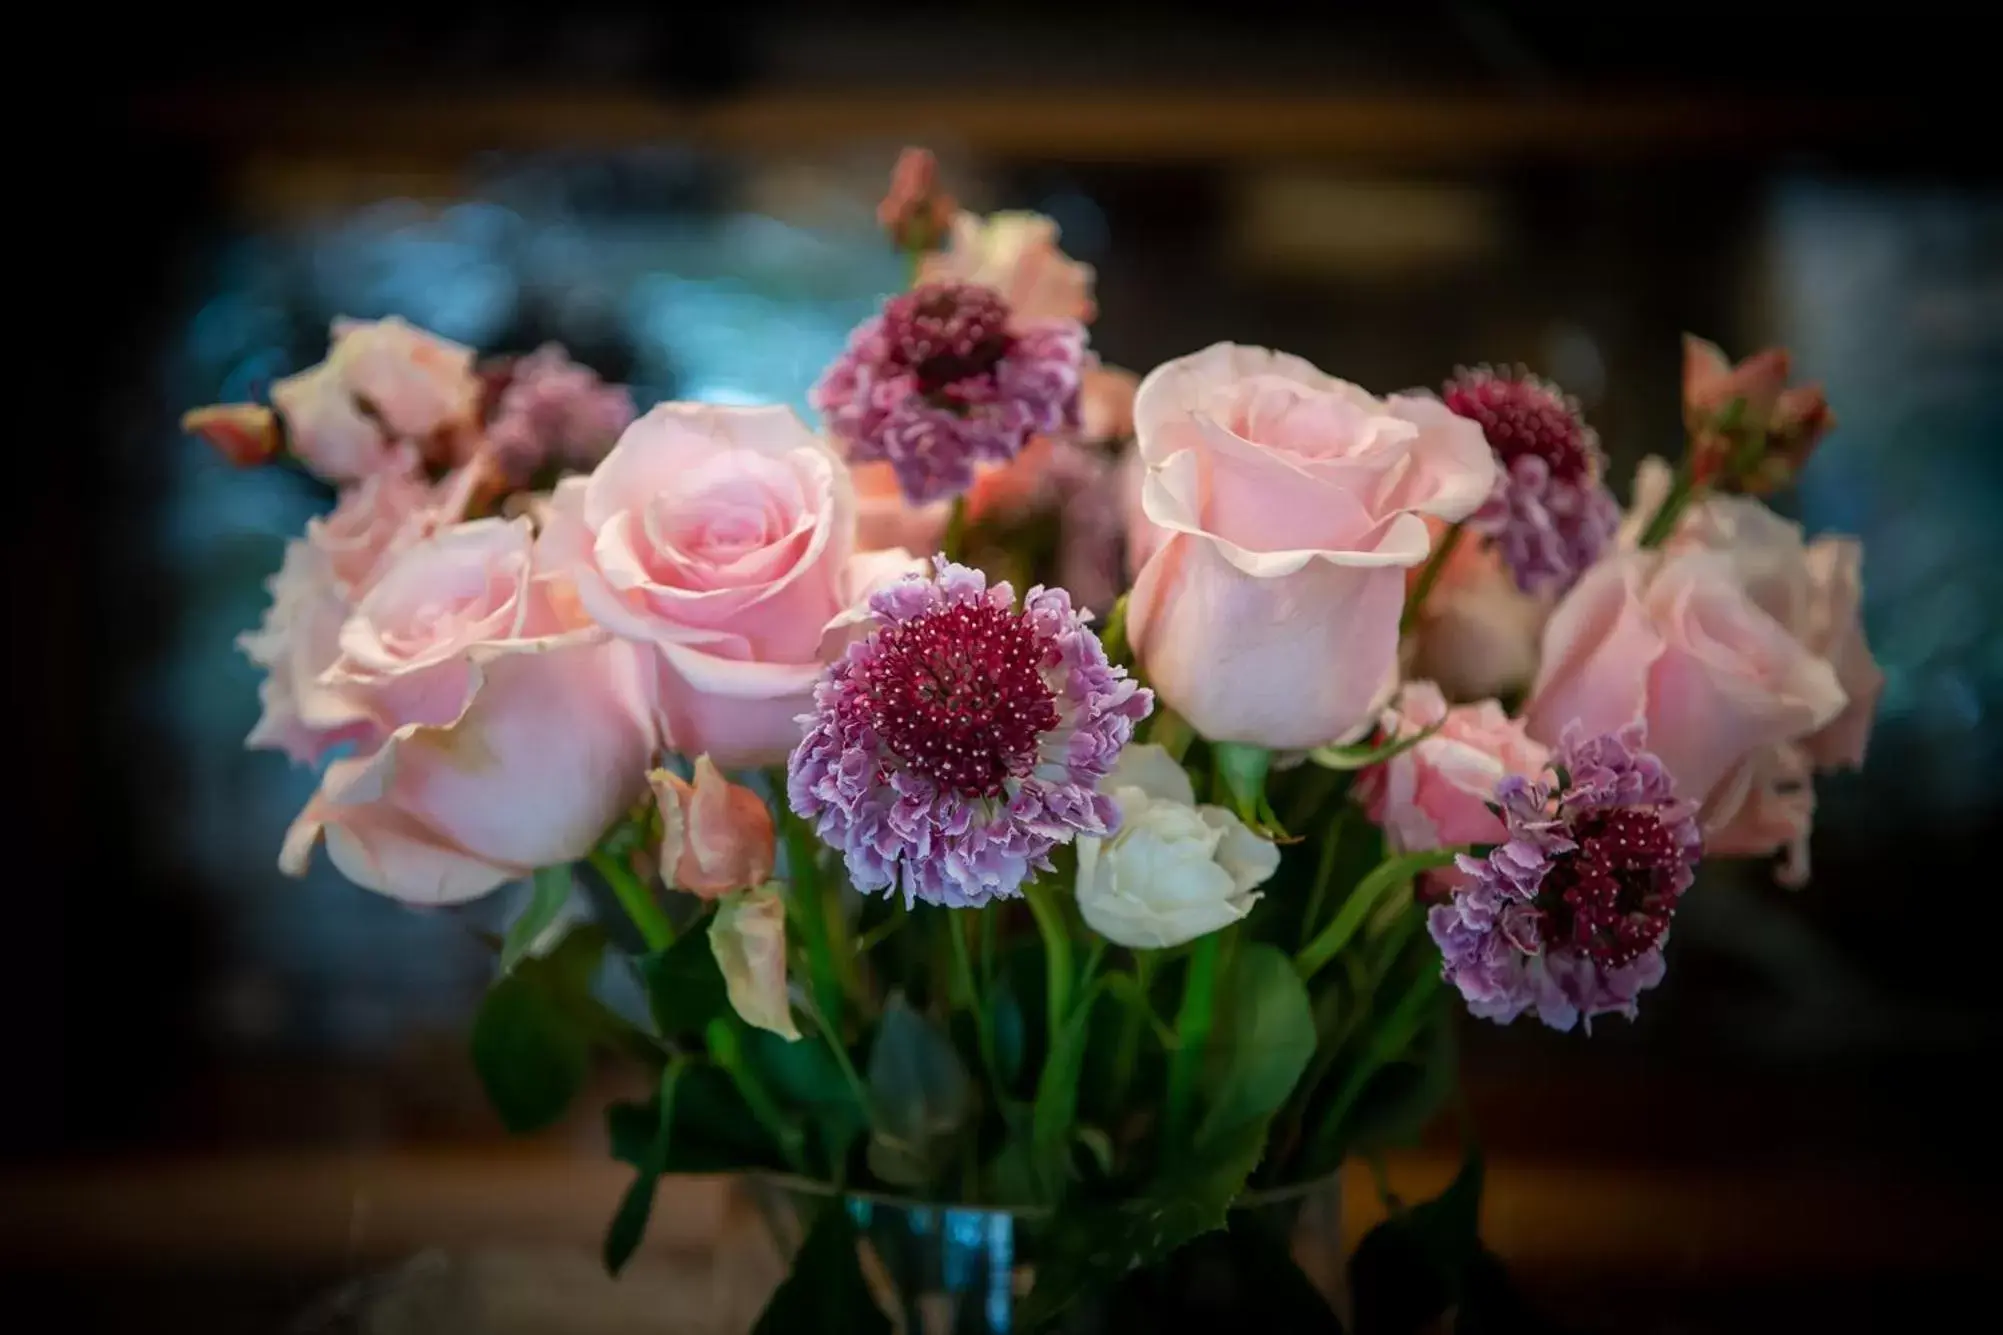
{"type": "Point", "coordinates": [825, 1290]}
{"type": "Point", "coordinates": [629, 1222]}
{"type": "Point", "coordinates": [1219, 1280]}
{"type": "Point", "coordinates": [806, 1077]}
{"type": "Point", "coordinates": [1412, 1269]}
{"type": "Point", "coordinates": [712, 1129]}
{"type": "Point", "coordinates": [1266, 1040]}
{"type": "Point", "coordinates": [1090, 1247]}
{"type": "Point", "coordinates": [549, 892]}
{"type": "Point", "coordinates": [922, 1095]}
{"type": "Point", "coordinates": [1364, 755]}
{"type": "Point", "coordinates": [531, 1041]}
{"type": "Point", "coordinates": [685, 988]}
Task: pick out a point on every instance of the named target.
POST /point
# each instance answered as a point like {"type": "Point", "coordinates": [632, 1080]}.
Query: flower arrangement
{"type": "Point", "coordinates": [1038, 791]}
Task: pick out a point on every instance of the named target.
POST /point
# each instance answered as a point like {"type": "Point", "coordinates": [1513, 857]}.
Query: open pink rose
{"type": "Point", "coordinates": [1436, 794]}
{"type": "Point", "coordinates": [1016, 254]}
{"type": "Point", "coordinates": [1766, 805]}
{"type": "Point", "coordinates": [716, 836]}
{"type": "Point", "coordinates": [384, 381]}
{"type": "Point", "coordinates": [724, 539]}
{"type": "Point", "coordinates": [1674, 641]}
{"type": "Point", "coordinates": [1814, 589]}
{"type": "Point", "coordinates": [1289, 506]}
{"type": "Point", "coordinates": [510, 740]}
{"type": "Point", "coordinates": [1477, 633]}
{"type": "Point", "coordinates": [324, 575]}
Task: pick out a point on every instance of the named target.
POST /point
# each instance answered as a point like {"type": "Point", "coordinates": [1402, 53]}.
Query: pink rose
{"type": "Point", "coordinates": [1814, 589]}
{"type": "Point", "coordinates": [324, 574]}
{"type": "Point", "coordinates": [511, 740]}
{"type": "Point", "coordinates": [1674, 641]}
{"type": "Point", "coordinates": [1477, 632]}
{"type": "Point", "coordinates": [384, 381]}
{"type": "Point", "coordinates": [1436, 794]}
{"type": "Point", "coordinates": [1289, 506]}
{"type": "Point", "coordinates": [716, 836]}
{"type": "Point", "coordinates": [724, 538]}
{"type": "Point", "coordinates": [1016, 254]}
{"type": "Point", "coordinates": [1767, 805]}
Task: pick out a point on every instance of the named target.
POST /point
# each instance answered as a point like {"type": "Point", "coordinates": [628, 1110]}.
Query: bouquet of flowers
{"type": "Point", "coordinates": [1017, 949]}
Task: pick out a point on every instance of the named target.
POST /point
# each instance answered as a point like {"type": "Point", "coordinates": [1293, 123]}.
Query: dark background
{"type": "Point", "coordinates": [1797, 1129]}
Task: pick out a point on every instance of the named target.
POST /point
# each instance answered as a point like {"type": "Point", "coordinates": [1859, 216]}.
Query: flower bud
{"type": "Point", "coordinates": [246, 434]}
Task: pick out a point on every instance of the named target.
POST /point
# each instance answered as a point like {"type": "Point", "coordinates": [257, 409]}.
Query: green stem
{"type": "Point", "coordinates": [955, 539]}
{"type": "Point", "coordinates": [1127, 1055]}
{"type": "Point", "coordinates": [1349, 918]}
{"type": "Point", "coordinates": [725, 1052]}
{"type": "Point", "coordinates": [984, 1034]}
{"type": "Point", "coordinates": [1192, 1025]}
{"type": "Point", "coordinates": [1056, 934]}
{"type": "Point", "coordinates": [1682, 490]}
{"type": "Point", "coordinates": [1389, 1040]}
{"type": "Point", "coordinates": [1324, 871]}
{"type": "Point", "coordinates": [817, 910]}
{"type": "Point", "coordinates": [840, 1050]}
{"type": "Point", "coordinates": [636, 899]}
{"type": "Point", "coordinates": [1429, 575]}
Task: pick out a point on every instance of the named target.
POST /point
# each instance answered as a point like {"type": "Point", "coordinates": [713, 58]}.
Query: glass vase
{"type": "Point", "coordinates": [943, 1269]}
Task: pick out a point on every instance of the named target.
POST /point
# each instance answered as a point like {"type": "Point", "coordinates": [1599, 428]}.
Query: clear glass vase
{"type": "Point", "coordinates": [939, 1269]}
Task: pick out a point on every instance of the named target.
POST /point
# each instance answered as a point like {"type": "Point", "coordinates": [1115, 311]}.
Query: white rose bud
{"type": "Point", "coordinates": [1175, 871]}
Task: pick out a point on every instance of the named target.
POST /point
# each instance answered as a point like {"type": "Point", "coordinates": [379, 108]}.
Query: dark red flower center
{"type": "Point", "coordinates": [947, 332]}
{"type": "Point", "coordinates": [1521, 416]}
{"type": "Point", "coordinates": [957, 695]}
{"type": "Point", "coordinates": [1612, 897]}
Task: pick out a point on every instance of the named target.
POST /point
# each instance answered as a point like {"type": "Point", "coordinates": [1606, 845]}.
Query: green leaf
{"type": "Point", "coordinates": [921, 1093]}
{"type": "Point", "coordinates": [550, 891]}
{"type": "Point", "coordinates": [806, 1077]}
{"type": "Point", "coordinates": [1365, 754]}
{"type": "Point", "coordinates": [1056, 1106]}
{"type": "Point", "coordinates": [629, 1223]}
{"type": "Point", "coordinates": [1090, 1248]}
{"type": "Point", "coordinates": [1267, 1040]}
{"type": "Point", "coordinates": [1412, 1268]}
{"type": "Point", "coordinates": [1398, 1104]}
{"type": "Point", "coordinates": [825, 1290]}
{"type": "Point", "coordinates": [713, 1131]}
{"type": "Point", "coordinates": [531, 1054]}
{"type": "Point", "coordinates": [1243, 770]}
{"type": "Point", "coordinates": [685, 988]}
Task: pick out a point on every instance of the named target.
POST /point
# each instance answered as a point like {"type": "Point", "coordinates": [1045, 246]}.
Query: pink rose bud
{"type": "Point", "coordinates": [1732, 411]}
{"type": "Point", "coordinates": [1437, 793]}
{"type": "Point", "coordinates": [246, 434]}
{"type": "Point", "coordinates": [915, 213]}
{"type": "Point", "coordinates": [716, 836]}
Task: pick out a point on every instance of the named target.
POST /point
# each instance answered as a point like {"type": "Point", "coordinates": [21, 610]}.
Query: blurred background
{"type": "Point", "coordinates": [229, 1090]}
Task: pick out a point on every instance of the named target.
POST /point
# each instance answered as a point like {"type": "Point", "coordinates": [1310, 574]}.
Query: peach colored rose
{"type": "Point", "coordinates": [748, 938]}
{"type": "Point", "coordinates": [885, 520]}
{"type": "Point", "coordinates": [1290, 505]}
{"type": "Point", "coordinates": [246, 434]}
{"type": "Point", "coordinates": [384, 381]}
{"type": "Point", "coordinates": [1436, 794]}
{"type": "Point", "coordinates": [510, 739]}
{"type": "Point", "coordinates": [716, 836]}
{"type": "Point", "coordinates": [1477, 632]}
{"type": "Point", "coordinates": [725, 540]}
{"type": "Point", "coordinates": [1674, 641]}
{"type": "Point", "coordinates": [1106, 403]}
{"type": "Point", "coordinates": [1016, 254]}
{"type": "Point", "coordinates": [324, 574]}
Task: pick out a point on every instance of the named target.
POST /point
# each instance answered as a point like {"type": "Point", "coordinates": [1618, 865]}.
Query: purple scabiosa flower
{"type": "Point", "coordinates": [943, 379]}
{"type": "Point", "coordinates": [963, 739]}
{"type": "Point", "coordinates": [549, 409]}
{"type": "Point", "coordinates": [1550, 514]}
{"type": "Point", "coordinates": [1568, 916]}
